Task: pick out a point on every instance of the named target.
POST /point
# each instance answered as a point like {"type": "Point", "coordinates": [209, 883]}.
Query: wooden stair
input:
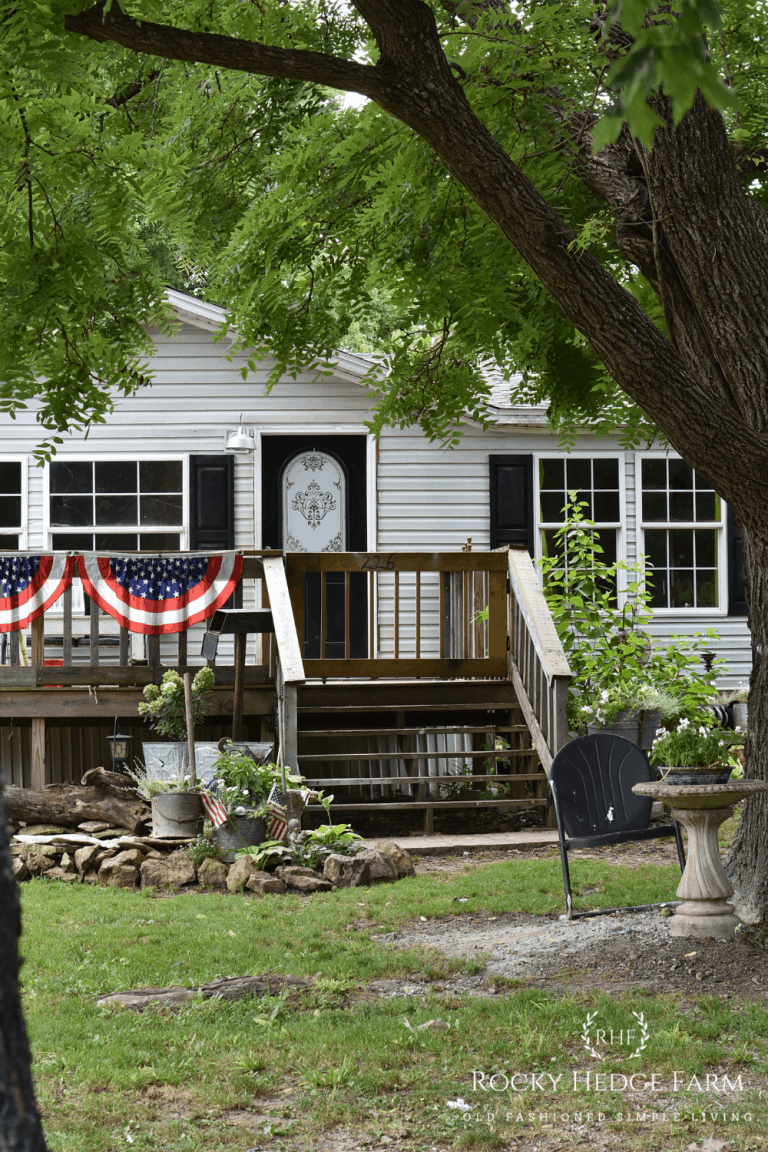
{"type": "Point", "coordinates": [415, 744]}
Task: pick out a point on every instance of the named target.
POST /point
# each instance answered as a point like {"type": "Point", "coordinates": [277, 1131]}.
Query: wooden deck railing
{"type": "Point", "coordinates": [400, 614]}
{"type": "Point", "coordinates": [538, 666]}
{"type": "Point", "coordinates": [105, 648]}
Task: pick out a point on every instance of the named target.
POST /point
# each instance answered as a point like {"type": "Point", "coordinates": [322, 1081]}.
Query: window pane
{"type": "Point", "coordinates": [606, 506]}
{"type": "Point", "coordinates": [680, 475]}
{"type": "Point", "coordinates": [607, 541]}
{"type": "Point", "coordinates": [116, 476]}
{"type": "Point", "coordinates": [71, 477]}
{"type": "Point", "coordinates": [681, 588]}
{"type": "Point", "coordinates": [9, 543]}
{"type": "Point", "coordinates": [706, 589]}
{"type": "Point", "coordinates": [115, 542]}
{"type": "Point", "coordinates": [579, 473]}
{"type": "Point", "coordinates": [654, 506]}
{"type": "Point", "coordinates": [705, 548]}
{"type": "Point", "coordinates": [551, 543]}
{"type": "Point", "coordinates": [658, 582]}
{"type": "Point", "coordinates": [606, 473]}
{"type": "Point", "coordinates": [10, 477]}
{"type": "Point", "coordinates": [705, 506]}
{"type": "Point", "coordinates": [656, 547]}
{"type": "Point", "coordinates": [150, 542]}
{"type": "Point", "coordinates": [552, 506]}
{"type": "Point", "coordinates": [161, 476]}
{"type": "Point", "coordinates": [72, 511]}
{"type": "Point", "coordinates": [10, 511]}
{"type": "Point", "coordinates": [654, 474]}
{"type": "Point", "coordinates": [681, 505]}
{"type": "Point", "coordinates": [586, 499]}
{"type": "Point", "coordinates": [681, 548]}
{"type": "Point", "coordinates": [116, 509]}
{"type": "Point", "coordinates": [161, 510]}
{"type": "Point", "coordinates": [72, 542]}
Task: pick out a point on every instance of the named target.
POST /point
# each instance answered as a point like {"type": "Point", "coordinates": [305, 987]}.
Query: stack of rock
{"type": "Point", "coordinates": [99, 853]}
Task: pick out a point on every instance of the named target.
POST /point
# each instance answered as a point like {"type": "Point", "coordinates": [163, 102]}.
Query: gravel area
{"type": "Point", "coordinates": [620, 951]}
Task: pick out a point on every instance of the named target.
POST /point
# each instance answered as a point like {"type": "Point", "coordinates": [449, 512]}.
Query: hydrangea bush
{"type": "Point", "coordinates": [164, 706]}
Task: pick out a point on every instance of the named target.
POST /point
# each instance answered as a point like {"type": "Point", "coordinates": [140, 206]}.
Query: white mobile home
{"type": "Point", "coordinates": [157, 478]}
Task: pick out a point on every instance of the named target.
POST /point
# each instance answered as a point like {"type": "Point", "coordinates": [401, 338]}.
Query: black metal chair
{"type": "Point", "coordinates": [591, 780]}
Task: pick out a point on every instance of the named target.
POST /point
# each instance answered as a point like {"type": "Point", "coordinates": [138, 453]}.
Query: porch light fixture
{"type": "Point", "coordinates": [241, 441]}
{"type": "Point", "coordinates": [119, 749]}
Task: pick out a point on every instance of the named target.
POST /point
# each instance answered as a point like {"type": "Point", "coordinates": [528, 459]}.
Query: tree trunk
{"type": "Point", "coordinates": [71, 805]}
{"type": "Point", "coordinates": [20, 1127]}
{"type": "Point", "coordinates": [747, 861]}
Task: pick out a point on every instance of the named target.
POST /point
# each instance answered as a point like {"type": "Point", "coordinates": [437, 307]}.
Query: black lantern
{"type": "Point", "coordinates": [119, 750]}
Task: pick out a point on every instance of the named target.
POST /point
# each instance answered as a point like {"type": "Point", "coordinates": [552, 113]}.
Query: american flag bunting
{"type": "Point", "coordinates": [29, 585]}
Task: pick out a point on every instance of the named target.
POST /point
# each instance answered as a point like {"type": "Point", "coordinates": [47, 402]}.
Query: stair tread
{"type": "Point", "coordinates": [405, 805]}
{"type": "Point", "coordinates": [340, 781]}
{"type": "Point", "coordinates": [500, 753]}
{"type": "Point", "coordinates": [440, 731]}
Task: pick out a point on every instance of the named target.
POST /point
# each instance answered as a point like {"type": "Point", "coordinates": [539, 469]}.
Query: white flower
{"type": "Point", "coordinates": [684, 723]}
{"type": "Point", "coordinates": [460, 1104]}
{"type": "Point", "coordinates": [604, 696]}
{"type": "Point", "coordinates": [661, 732]}
{"type": "Point", "coordinates": [737, 728]}
{"type": "Point", "coordinates": [167, 688]}
{"type": "Point", "coordinates": [702, 730]}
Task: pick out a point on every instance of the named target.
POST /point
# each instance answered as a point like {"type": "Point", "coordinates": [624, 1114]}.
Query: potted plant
{"type": "Point", "coordinates": [694, 754]}
{"type": "Point", "coordinates": [173, 709]}
{"type": "Point", "coordinates": [163, 707]}
{"type": "Point", "coordinates": [242, 786]}
{"type": "Point", "coordinates": [632, 710]}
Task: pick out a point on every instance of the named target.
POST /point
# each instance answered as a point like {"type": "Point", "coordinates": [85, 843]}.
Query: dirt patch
{"type": "Point", "coordinates": [618, 952]}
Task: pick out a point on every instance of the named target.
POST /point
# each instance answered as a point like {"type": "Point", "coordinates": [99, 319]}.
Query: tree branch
{"type": "Point", "coordinates": [222, 51]}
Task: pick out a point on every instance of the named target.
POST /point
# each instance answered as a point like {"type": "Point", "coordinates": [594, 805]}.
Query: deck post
{"type": "Point", "coordinates": [290, 741]}
{"type": "Point", "coordinates": [38, 775]}
{"type": "Point", "coordinates": [237, 708]}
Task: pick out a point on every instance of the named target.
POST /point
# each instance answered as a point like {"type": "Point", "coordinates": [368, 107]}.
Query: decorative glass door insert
{"type": "Point", "coordinates": [314, 504]}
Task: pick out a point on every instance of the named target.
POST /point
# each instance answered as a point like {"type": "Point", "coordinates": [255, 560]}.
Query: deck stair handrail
{"type": "Point", "coordinates": [538, 666]}
{"type": "Point", "coordinates": [289, 664]}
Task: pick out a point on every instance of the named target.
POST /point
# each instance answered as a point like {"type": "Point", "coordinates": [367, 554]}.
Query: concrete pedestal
{"type": "Point", "coordinates": [704, 887]}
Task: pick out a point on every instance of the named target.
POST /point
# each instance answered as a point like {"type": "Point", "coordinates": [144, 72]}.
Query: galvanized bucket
{"type": "Point", "coordinates": [176, 815]}
{"type": "Point", "coordinates": [626, 724]}
{"type": "Point", "coordinates": [239, 832]}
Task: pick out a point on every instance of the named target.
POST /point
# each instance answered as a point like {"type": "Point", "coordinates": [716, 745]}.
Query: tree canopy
{"type": "Point", "coordinates": [308, 218]}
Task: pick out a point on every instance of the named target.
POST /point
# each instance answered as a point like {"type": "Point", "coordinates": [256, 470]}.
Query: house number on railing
{"type": "Point", "coordinates": [374, 560]}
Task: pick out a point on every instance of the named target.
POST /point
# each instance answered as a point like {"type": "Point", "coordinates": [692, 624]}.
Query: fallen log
{"type": "Point", "coordinates": [112, 782]}
{"type": "Point", "coordinates": [71, 804]}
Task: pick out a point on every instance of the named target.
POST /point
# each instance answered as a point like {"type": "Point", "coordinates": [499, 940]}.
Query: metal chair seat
{"type": "Point", "coordinates": [591, 781]}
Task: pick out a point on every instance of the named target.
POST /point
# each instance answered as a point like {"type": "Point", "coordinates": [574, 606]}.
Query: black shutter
{"type": "Point", "coordinates": [211, 503]}
{"type": "Point", "coordinates": [511, 490]}
{"type": "Point", "coordinates": [737, 597]}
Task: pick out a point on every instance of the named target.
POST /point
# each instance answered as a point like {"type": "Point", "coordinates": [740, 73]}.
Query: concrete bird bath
{"type": "Point", "coordinates": [704, 887]}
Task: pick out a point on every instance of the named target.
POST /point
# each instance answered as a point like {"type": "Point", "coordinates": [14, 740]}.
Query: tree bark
{"type": "Point", "coordinates": [21, 1129]}
{"type": "Point", "coordinates": [71, 805]}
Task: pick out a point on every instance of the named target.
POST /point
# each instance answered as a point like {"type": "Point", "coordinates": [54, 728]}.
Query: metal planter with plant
{"type": "Point", "coordinates": [695, 754]}
{"type": "Point", "coordinates": [242, 788]}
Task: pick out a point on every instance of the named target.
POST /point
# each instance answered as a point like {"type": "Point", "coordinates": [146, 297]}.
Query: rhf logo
{"type": "Point", "coordinates": [607, 1039]}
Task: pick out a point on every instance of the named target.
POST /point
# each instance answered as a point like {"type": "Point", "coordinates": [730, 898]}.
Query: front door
{"type": "Point", "coordinates": [314, 500]}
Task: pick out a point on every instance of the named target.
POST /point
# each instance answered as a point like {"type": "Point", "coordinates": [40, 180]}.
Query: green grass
{"type": "Point", "coordinates": [275, 1073]}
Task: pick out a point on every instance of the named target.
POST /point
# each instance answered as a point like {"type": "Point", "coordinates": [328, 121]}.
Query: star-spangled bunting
{"type": "Point", "coordinates": [29, 585]}
{"type": "Point", "coordinates": [217, 813]}
{"type": "Point", "coordinates": [157, 595]}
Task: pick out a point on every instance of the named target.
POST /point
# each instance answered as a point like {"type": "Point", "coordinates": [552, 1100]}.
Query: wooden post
{"type": "Point", "coordinates": [190, 729]}
{"type": "Point", "coordinates": [15, 655]}
{"type": "Point", "coordinates": [94, 648]}
{"type": "Point", "coordinates": [66, 629]}
{"type": "Point", "coordinates": [124, 637]}
{"type": "Point", "coordinates": [182, 656]}
{"type": "Point", "coordinates": [237, 709]}
{"type": "Point", "coordinates": [290, 739]}
{"type": "Point", "coordinates": [38, 776]}
{"type": "Point", "coordinates": [153, 651]}
{"type": "Point", "coordinates": [37, 654]}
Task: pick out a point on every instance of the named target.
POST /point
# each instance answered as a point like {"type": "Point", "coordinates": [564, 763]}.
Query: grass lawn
{"type": "Point", "coordinates": [337, 1068]}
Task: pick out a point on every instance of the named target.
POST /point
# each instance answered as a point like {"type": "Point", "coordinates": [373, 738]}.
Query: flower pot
{"type": "Point", "coordinates": [627, 724]}
{"type": "Point", "coordinates": [169, 760]}
{"type": "Point", "coordinates": [740, 715]}
{"type": "Point", "coordinates": [708, 775]}
{"type": "Point", "coordinates": [239, 832]}
{"type": "Point", "coordinates": [177, 815]}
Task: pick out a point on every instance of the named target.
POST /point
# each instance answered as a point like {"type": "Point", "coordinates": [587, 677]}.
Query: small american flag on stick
{"type": "Point", "coordinates": [215, 809]}
{"type": "Point", "coordinates": [277, 815]}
